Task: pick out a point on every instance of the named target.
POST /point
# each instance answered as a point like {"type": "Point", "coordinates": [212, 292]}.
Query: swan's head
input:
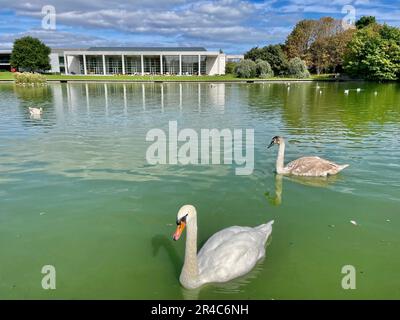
{"type": "Point", "coordinates": [275, 140]}
{"type": "Point", "coordinates": [184, 215]}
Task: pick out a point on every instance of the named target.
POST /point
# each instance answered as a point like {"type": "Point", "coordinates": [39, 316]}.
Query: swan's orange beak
{"type": "Point", "coordinates": [179, 230]}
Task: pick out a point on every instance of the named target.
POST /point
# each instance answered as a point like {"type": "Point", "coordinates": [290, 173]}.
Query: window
{"type": "Point", "coordinates": [133, 65]}
{"type": "Point", "coordinates": [171, 64]}
{"type": "Point", "coordinates": [152, 64]}
{"type": "Point", "coordinates": [113, 64]}
{"type": "Point", "coordinates": [190, 65]}
{"type": "Point", "coordinates": [94, 64]}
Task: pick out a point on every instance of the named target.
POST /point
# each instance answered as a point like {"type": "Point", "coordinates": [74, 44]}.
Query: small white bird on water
{"type": "Point", "coordinates": [346, 91]}
{"type": "Point", "coordinates": [228, 254]}
{"type": "Point", "coordinates": [358, 89]}
{"type": "Point", "coordinates": [35, 111]}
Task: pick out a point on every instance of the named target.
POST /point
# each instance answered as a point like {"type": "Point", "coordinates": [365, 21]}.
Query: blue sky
{"type": "Point", "coordinates": [233, 25]}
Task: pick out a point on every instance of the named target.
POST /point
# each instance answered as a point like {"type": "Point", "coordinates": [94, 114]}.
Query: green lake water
{"type": "Point", "coordinates": [76, 191]}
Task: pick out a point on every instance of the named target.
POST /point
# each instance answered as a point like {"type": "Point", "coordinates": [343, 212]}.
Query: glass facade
{"type": "Point", "coordinates": [203, 65]}
{"type": "Point", "coordinates": [94, 65]}
{"type": "Point", "coordinates": [113, 64]}
{"type": "Point", "coordinates": [81, 65]}
{"type": "Point", "coordinates": [133, 65]}
{"type": "Point", "coordinates": [152, 64]}
{"type": "Point", "coordinates": [5, 58]}
{"type": "Point", "coordinates": [170, 64]}
{"type": "Point", "coordinates": [190, 65]}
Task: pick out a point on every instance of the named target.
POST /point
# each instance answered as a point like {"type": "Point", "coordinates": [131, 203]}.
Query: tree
{"type": "Point", "coordinates": [246, 69]}
{"type": "Point", "coordinates": [300, 39]}
{"type": "Point", "coordinates": [263, 69]}
{"type": "Point", "coordinates": [320, 43]}
{"type": "Point", "coordinates": [30, 54]}
{"type": "Point", "coordinates": [253, 54]}
{"type": "Point", "coordinates": [297, 68]}
{"type": "Point", "coordinates": [273, 54]}
{"type": "Point", "coordinates": [374, 53]}
{"type": "Point", "coordinates": [365, 21]}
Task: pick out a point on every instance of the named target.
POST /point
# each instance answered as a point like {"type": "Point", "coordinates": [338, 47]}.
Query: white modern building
{"type": "Point", "coordinates": [144, 61]}
{"type": "Point", "coordinates": [234, 57]}
{"type": "Point", "coordinates": [135, 61]}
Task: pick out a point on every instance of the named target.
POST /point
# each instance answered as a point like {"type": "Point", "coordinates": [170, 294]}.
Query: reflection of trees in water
{"type": "Point", "coordinates": [34, 96]}
{"type": "Point", "coordinates": [314, 107]}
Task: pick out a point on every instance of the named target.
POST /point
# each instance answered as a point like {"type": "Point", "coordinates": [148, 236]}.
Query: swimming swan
{"type": "Point", "coordinates": [305, 166]}
{"type": "Point", "coordinates": [35, 111]}
{"type": "Point", "coordinates": [228, 254]}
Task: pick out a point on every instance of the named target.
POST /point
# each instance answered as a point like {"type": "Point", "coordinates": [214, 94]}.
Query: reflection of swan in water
{"type": "Point", "coordinates": [228, 254]}
{"type": "Point", "coordinates": [159, 241]}
{"type": "Point", "coordinates": [234, 286]}
{"type": "Point", "coordinates": [304, 166]}
{"type": "Point", "coordinates": [35, 111]}
{"type": "Point", "coordinates": [276, 200]}
{"type": "Point", "coordinates": [318, 182]}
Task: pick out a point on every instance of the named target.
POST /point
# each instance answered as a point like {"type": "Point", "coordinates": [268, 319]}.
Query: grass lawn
{"type": "Point", "coordinates": [227, 77]}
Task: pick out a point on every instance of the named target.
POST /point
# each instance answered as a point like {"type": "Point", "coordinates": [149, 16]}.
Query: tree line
{"type": "Point", "coordinates": [369, 50]}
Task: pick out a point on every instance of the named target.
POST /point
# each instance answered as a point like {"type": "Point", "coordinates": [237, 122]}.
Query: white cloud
{"type": "Point", "coordinates": [232, 24]}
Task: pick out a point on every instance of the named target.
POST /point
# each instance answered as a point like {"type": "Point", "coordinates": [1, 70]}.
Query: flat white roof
{"type": "Point", "coordinates": [145, 53]}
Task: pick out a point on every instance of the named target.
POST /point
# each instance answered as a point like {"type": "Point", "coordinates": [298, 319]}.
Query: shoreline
{"type": "Point", "coordinates": [244, 81]}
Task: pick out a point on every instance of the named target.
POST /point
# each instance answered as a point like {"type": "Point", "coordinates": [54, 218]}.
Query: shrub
{"type": "Point", "coordinates": [27, 78]}
{"type": "Point", "coordinates": [246, 69]}
{"type": "Point", "coordinates": [230, 67]}
{"type": "Point", "coordinates": [264, 69]}
{"type": "Point", "coordinates": [297, 68]}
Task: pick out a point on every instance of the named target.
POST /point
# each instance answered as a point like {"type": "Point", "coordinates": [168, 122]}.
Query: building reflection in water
{"type": "Point", "coordinates": [151, 96]}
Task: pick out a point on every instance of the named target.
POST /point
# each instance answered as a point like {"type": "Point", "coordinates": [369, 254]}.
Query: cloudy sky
{"type": "Point", "coordinates": [233, 25]}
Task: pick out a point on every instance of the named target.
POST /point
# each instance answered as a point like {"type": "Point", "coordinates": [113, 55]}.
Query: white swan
{"type": "Point", "coordinates": [228, 254]}
{"type": "Point", "coordinates": [305, 166]}
{"type": "Point", "coordinates": [35, 111]}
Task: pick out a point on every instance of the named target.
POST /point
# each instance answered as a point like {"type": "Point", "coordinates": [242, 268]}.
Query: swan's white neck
{"type": "Point", "coordinates": [190, 272]}
{"type": "Point", "coordinates": [280, 159]}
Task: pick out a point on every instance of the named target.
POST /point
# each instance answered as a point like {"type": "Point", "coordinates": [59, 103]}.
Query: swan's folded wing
{"type": "Point", "coordinates": [311, 166]}
{"type": "Point", "coordinates": [220, 237]}
{"type": "Point", "coordinates": [232, 258]}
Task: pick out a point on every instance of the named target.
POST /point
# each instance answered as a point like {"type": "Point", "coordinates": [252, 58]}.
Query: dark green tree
{"type": "Point", "coordinates": [254, 54]}
{"type": "Point", "coordinates": [30, 54]}
{"type": "Point", "coordinates": [365, 21]}
{"type": "Point", "coordinates": [273, 54]}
